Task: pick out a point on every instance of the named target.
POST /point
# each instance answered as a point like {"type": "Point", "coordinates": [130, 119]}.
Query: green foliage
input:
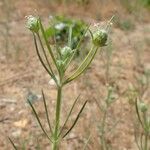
{"type": "Point", "coordinates": [143, 82]}
{"type": "Point", "coordinates": [146, 3]}
{"type": "Point", "coordinates": [142, 138]}
{"type": "Point", "coordinates": [104, 106]}
{"type": "Point", "coordinates": [60, 28]}
{"type": "Point", "coordinates": [142, 122]}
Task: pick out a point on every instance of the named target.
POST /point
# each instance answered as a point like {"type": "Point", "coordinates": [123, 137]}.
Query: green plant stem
{"type": "Point", "coordinates": [103, 141]}
{"type": "Point", "coordinates": [45, 55]}
{"type": "Point", "coordinates": [57, 121]}
{"type": "Point", "coordinates": [47, 44]}
{"type": "Point", "coordinates": [107, 69]}
{"type": "Point", "coordinates": [146, 142]}
{"type": "Point", "coordinates": [14, 146]}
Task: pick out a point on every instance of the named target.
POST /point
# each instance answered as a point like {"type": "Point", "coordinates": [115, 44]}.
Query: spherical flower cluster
{"type": "Point", "coordinates": [66, 52]}
{"type": "Point", "coordinates": [33, 23]}
{"type": "Point", "coordinates": [100, 38]}
{"type": "Point", "coordinates": [143, 107]}
{"type": "Point", "coordinates": [60, 64]}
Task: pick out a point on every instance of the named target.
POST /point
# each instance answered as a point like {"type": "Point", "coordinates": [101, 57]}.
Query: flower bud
{"type": "Point", "coordinates": [66, 52]}
{"type": "Point", "coordinates": [111, 95]}
{"type": "Point", "coordinates": [100, 38]}
{"type": "Point", "coordinates": [143, 107]}
{"type": "Point", "coordinates": [33, 23]}
{"type": "Point", "coordinates": [60, 64]}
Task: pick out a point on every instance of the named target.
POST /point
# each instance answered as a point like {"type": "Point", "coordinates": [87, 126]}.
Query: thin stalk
{"type": "Point", "coordinates": [108, 55]}
{"type": "Point", "coordinates": [101, 109]}
{"type": "Point", "coordinates": [47, 115]}
{"type": "Point", "coordinates": [138, 114]}
{"type": "Point", "coordinates": [141, 142]}
{"type": "Point", "coordinates": [45, 55]}
{"type": "Point", "coordinates": [87, 142]}
{"type": "Point", "coordinates": [77, 47]}
{"type": "Point", "coordinates": [109, 23]}
{"type": "Point", "coordinates": [146, 142]}
{"type": "Point", "coordinates": [103, 141]}
{"type": "Point", "coordinates": [14, 146]}
{"type": "Point", "coordinates": [57, 117]}
{"type": "Point", "coordinates": [145, 121]}
{"type": "Point", "coordinates": [74, 123]}
{"type": "Point", "coordinates": [69, 62]}
{"type": "Point", "coordinates": [136, 141]}
{"type": "Point", "coordinates": [7, 11]}
{"type": "Point", "coordinates": [70, 37]}
{"type": "Point", "coordinates": [47, 44]}
{"type": "Point", "coordinates": [69, 115]}
{"type": "Point", "coordinates": [40, 58]}
{"type": "Point", "coordinates": [38, 119]}
{"type": "Point", "coordinates": [84, 65]}
{"type": "Point", "coordinates": [82, 37]}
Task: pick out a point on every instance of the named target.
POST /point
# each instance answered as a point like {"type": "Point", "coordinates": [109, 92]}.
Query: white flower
{"type": "Point", "coordinates": [60, 26]}
{"type": "Point", "coordinates": [32, 23]}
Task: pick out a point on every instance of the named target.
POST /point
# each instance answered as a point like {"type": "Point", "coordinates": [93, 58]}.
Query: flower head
{"type": "Point", "coordinates": [100, 38]}
{"type": "Point", "coordinates": [143, 107]}
{"type": "Point", "coordinates": [66, 52]}
{"type": "Point", "coordinates": [33, 23]}
{"type": "Point", "coordinates": [60, 26]}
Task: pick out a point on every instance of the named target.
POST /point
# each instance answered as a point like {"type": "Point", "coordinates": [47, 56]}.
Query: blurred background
{"type": "Point", "coordinates": [124, 65]}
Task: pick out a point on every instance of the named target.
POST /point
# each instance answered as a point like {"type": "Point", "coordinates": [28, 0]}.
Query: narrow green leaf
{"type": "Point", "coordinates": [91, 34]}
{"type": "Point", "coordinates": [76, 119]}
{"type": "Point", "coordinates": [84, 65]}
{"type": "Point", "coordinates": [76, 49]}
{"type": "Point", "coordinates": [38, 119]}
{"type": "Point", "coordinates": [138, 114]}
{"type": "Point", "coordinates": [47, 43]}
{"type": "Point", "coordinates": [69, 115]}
{"type": "Point", "coordinates": [101, 108]}
{"type": "Point", "coordinates": [141, 141]}
{"type": "Point", "coordinates": [24, 145]}
{"type": "Point", "coordinates": [40, 58]}
{"type": "Point", "coordinates": [45, 55]}
{"type": "Point", "coordinates": [70, 36]}
{"type": "Point", "coordinates": [82, 37]}
{"type": "Point", "coordinates": [87, 142]}
{"type": "Point", "coordinates": [70, 60]}
{"type": "Point", "coordinates": [47, 115]}
{"type": "Point", "coordinates": [136, 140]}
{"type": "Point", "coordinates": [50, 32]}
{"type": "Point", "coordinates": [38, 144]}
{"type": "Point", "coordinates": [14, 146]}
{"type": "Point", "coordinates": [109, 23]}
